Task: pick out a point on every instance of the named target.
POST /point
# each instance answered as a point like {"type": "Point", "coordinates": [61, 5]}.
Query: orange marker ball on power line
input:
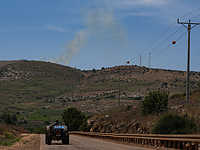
{"type": "Point", "coordinates": [173, 42]}
{"type": "Point", "coordinates": [128, 62]}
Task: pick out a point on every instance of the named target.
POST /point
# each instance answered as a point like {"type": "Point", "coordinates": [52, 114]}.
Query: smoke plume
{"type": "Point", "coordinates": [99, 22]}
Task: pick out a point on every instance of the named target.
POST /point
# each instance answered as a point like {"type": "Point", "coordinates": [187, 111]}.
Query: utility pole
{"type": "Point", "coordinates": [188, 53]}
{"type": "Point", "coordinates": [149, 60]}
{"type": "Point", "coordinates": [140, 60]}
{"type": "Point", "coordinates": [119, 89]}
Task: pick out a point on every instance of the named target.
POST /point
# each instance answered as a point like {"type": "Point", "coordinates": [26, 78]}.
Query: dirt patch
{"type": "Point", "coordinates": [28, 142]}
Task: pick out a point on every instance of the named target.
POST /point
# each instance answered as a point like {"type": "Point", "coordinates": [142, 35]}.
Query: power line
{"type": "Point", "coordinates": [166, 39]}
{"type": "Point", "coordinates": [190, 13]}
{"type": "Point", "coordinates": [163, 41]}
{"type": "Point", "coordinates": [195, 16]}
{"type": "Point", "coordinates": [167, 46]}
{"type": "Point", "coordinates": [155, 40]}
{"type": "Point", "coordinates": [161, 36]}
{"type": "Point", "coordinates": [161, 51]}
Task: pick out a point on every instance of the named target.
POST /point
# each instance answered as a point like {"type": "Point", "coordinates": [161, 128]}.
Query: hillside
{"type": "Point", "coordinates": [27, 84]}
{"type": "Point", "coordinates": [135, 83]}
{"type": "Point", "coordinates": [39, 91]}
{"type": "Point", "coordinates": [129, 119]}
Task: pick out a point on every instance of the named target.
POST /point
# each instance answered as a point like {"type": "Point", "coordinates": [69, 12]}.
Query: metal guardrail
{"type": "Point", "coordinates": [190, 142]}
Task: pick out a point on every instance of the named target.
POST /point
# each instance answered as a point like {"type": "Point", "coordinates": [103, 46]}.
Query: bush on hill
{"type": "Point", "coordinates": [74, 119]}
{"type": "Point", "coordinates": [155, 102]}
{"type": "Point", "coordinates": [174, 124]}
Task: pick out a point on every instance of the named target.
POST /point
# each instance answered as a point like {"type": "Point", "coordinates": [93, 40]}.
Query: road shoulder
{"type": "Point", "coordinates": [28, 142]}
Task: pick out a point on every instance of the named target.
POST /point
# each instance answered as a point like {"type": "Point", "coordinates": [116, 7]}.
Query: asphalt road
{"type": "Point", "coordinates": [82, 143]}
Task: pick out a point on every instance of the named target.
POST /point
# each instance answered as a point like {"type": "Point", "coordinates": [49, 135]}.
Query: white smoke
{"type": "Point", "coordinates": [99, 22]}
{"type": "Point", "coordinates": [73, 47]}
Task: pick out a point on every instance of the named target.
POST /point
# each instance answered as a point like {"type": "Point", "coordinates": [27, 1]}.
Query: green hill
{"type": "Point", "coordinates": [39, 91]}
{"type": "Point", "coordinates": [26, 84]}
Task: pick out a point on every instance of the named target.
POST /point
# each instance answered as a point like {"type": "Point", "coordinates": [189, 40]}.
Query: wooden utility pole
{"type": "Point", "coordinates": [188, 53]}
{"type": "Point", "coordinates": [149, 60]}
{"type": "Point", "coordinates": [119, 89]}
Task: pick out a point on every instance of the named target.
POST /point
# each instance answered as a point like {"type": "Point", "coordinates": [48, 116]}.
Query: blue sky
{"type": "Point", "coordinates": [89, 34]}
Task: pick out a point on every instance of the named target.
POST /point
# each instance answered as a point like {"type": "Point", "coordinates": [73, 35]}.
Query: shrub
{"type": "Point", "coordinates": [164, 83]}
{"type": "Point", "coordinates": [84, 127]}
{"type": "Point", "coordinates": [174, 124]}
{"type": "Point", "coordinates": [128, 107]}
{"type": "Point", "coordinates": [9, 120]}
{"type": "Point", "coordinates": [72, 118]}
{"type": "Point", "coordinates": [155, 102]}
{"type": "Point", "coordinates": [8, 135]}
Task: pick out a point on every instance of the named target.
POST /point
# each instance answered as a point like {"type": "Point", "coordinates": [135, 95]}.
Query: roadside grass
{"type": "Point", "coordinates": [9, 142]}
{"type": "Point", "coordinates": [9, 134]}
{"type": "Point", "coordinates": [15, 130]}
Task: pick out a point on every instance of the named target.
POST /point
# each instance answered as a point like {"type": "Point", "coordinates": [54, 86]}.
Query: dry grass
{"type": "Point", "coordinates": [132, 113]}
{"type": "Point", "coordinates": [15, 130]}
{"type": "Point", "coordinates": [10, 134]}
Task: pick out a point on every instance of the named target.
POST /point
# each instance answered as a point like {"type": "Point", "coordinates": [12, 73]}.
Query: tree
{"type": "Point", "coordinates": [155, 102]}
{"type": "Point", "coordinates": [9, 120]}
{"type": "Point", "coordinates": [72, 118]}
{"type": "Point", "coordinates": [174, 124]}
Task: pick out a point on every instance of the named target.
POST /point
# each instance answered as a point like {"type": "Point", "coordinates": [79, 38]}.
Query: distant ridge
{"type": "Point", "coordinates": [7, 62]}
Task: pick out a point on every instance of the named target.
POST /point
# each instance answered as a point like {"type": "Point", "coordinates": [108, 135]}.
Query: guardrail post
{"type": "Point", "coordinates": [169, 144]}
{"type": "Point", "coordinates": [153, 142]}
{"type": "Point", "coordinates": [174, 144]}
{"type": "Point", "coordinates": [165, 143]}
{"type": "Point", "coordinates": [160, 143]}
{"type": "Point", "coordinates": [147, 141]}
{"type": "Point", "coordinates": [190, 145]}
{"type": "Point", "coordinates": [178, 146]}
{"type": "Point", "coordinates": [157, 143]}
{"type": "Point", "coordinates": [196, 145]}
